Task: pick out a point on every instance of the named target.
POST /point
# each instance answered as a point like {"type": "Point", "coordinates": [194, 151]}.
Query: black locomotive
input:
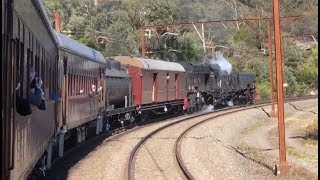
{"type": "Point", "coordinates": [208, 84]}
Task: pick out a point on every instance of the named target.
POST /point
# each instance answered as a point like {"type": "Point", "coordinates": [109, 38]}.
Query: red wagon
{"type": "Point", "coordinates": [156, 83]}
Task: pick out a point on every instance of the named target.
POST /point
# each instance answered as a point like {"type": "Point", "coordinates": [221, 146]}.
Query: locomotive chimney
{"type": "Point", "coordinates": [57, 21]}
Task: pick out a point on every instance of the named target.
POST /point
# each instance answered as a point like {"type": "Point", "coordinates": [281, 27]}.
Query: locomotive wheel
{"type": "Point", "coordinates": [144, 116]}
{"type": "Point", "coordinates": [107, 126]}
{"type": "Point", "coordinates": [176, 110]}
{"type": "Point", "coordinates": [188, 110]}
{"type": "Point", "coordinates": [132, 119]}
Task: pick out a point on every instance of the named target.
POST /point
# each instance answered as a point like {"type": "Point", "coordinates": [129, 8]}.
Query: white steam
{"type": "Point", "coordinates": [222, 62]}
{"type": "Point", "coordinates": [230, 103]}
{"type": "Point", "coordinates": [209, 108]}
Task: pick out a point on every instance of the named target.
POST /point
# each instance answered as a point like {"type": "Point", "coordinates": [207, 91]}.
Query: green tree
{"type": "Point", "coordinates": [191, 49]}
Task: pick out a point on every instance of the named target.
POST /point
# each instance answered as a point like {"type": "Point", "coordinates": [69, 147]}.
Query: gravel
{"type": "Point", "coordinates": [209, 153]}
{"type": "Point", "coordinates": [209, 150]}
{"type": "Point", "coordinates": [108, 160]}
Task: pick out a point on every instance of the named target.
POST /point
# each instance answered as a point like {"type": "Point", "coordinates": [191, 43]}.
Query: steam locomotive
{"type": "Point", "coordinates": [86, 94]}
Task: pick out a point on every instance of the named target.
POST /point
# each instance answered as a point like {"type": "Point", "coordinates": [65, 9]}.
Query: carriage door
{"type": "Point", "coordinates": [154, 87]}
{"type": "Point", "coordinates": [176, 85]}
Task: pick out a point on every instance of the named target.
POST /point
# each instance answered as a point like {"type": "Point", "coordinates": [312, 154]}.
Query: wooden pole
{"type": "Point", "coordinates": [283, 166]}
{"type": "Point", "coordinates": [143, 45]}
{"type": "Point", "coordinates": [57, 21]}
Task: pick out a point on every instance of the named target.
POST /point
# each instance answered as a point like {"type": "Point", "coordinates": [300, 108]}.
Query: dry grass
{"type": "Point", "coordinates": [253, 153]}
{"type": "Point", "coordinates": [301, 154]}
{"type": "Point", "coordinates": [312, 131]}
{"type": "Point", "coordinates": [257, 124]}
{"type": "Point", "coordinates": [257, 155]}
{"type": "Point", "coordinates": [296, 172]}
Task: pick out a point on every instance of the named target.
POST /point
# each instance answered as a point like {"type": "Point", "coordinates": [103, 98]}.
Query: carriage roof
{"type": "Point", "coordinates": [150, 64]}
{"type": "Point", "coordinates": [75, 47]}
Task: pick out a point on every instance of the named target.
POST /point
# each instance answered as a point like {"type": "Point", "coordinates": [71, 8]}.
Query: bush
{"type": "Point", "coordinates": [308, 74]}
{"type": "Point", "coordinates": [312, 130]}
{"type": "Point", "coordinates": [295, 88]}
{"type": "Point", "coordinates": [263, 89]}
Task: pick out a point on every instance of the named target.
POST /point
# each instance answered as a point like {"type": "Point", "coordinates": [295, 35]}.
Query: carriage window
{"type": "Point", "coordinates": [19, 66]}
{"type": "Point", "coordinates": [46, 69]}
{"type": "Point", "coordinates": [28, 71]}
{"type": "Point", "coordinates": [79, 84]}
{"type": "Point", "coordinates": [75, 85]}
{"type": "Point", "coordinates": [31, 58]}
{"type": "Point", "coordinates": [70, 84]}
{"type": "Point", "coordinates": [50, 76]}
{"type": "Point", "coordinates": [43, 74]}
{"type": "Point", "coordinates": [37, 68]}
{"type": "Point", "coordinates": [87, 84]}
{"type": "Point", "coordinates": [82, 85]}
{"type": "Point", "coordinates": [76, 90]}
{"type": "Point", "coordinates": [90, 82]}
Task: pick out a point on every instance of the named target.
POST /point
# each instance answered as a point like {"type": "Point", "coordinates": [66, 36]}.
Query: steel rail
{"type": "Point", "coordinates": [123, 131]}
{"type": "Point", "coordinates": [177, 148]}
{"type": "Point", "coordinates": [128, 173]}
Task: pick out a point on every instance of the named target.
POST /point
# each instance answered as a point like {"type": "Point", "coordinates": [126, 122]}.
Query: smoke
{"type": "Point", "coordinates": [222, 62]}
{"type": "Point", "coordinates": [230, 103]}
{"type": "Point", "coordinates": [209, 108]}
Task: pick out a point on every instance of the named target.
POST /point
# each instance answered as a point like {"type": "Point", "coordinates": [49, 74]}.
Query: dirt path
{"type": "Point", "coordinates": [301, 153]}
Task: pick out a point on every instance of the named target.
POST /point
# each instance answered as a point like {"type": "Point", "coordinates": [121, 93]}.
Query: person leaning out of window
{"type": "Point", "coordinates": [22, 104]}
{"type": "Point", "coordinates": [36, 93]}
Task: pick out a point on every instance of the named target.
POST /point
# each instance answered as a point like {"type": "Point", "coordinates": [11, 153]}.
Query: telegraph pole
{"type": "Point", "coordinates": [57, 21]}
{"type": "Point", "coordinates": [143, 45]}
{"type": "Point", "coordinates": [283, 166]}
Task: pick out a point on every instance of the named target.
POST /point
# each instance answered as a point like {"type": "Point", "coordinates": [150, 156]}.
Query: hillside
{"type": "Point", "coordinates": [118, 23]}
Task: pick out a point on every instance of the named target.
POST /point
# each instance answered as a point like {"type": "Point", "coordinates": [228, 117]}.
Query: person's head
{"type": "Point", "coordinates": [93, 87]}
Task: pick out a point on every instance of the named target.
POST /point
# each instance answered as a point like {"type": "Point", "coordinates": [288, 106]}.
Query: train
{"type": "Point", "coordinates": [85, 94]}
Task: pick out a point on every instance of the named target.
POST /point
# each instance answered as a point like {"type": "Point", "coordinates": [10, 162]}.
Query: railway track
{"type": "Point", "coordinates": [129, 172]}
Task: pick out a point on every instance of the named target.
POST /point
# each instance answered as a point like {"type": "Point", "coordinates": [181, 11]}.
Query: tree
{"type": "Point", "coordinates": [120, 26]}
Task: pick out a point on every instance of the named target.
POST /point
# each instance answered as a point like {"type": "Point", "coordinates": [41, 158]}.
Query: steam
{"type": "Point", "coordinates": [209, 108]}
{"type": "Point", "coordinates": [230, 103]}
{"type": "Point", "coordinates": [222, 62]}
